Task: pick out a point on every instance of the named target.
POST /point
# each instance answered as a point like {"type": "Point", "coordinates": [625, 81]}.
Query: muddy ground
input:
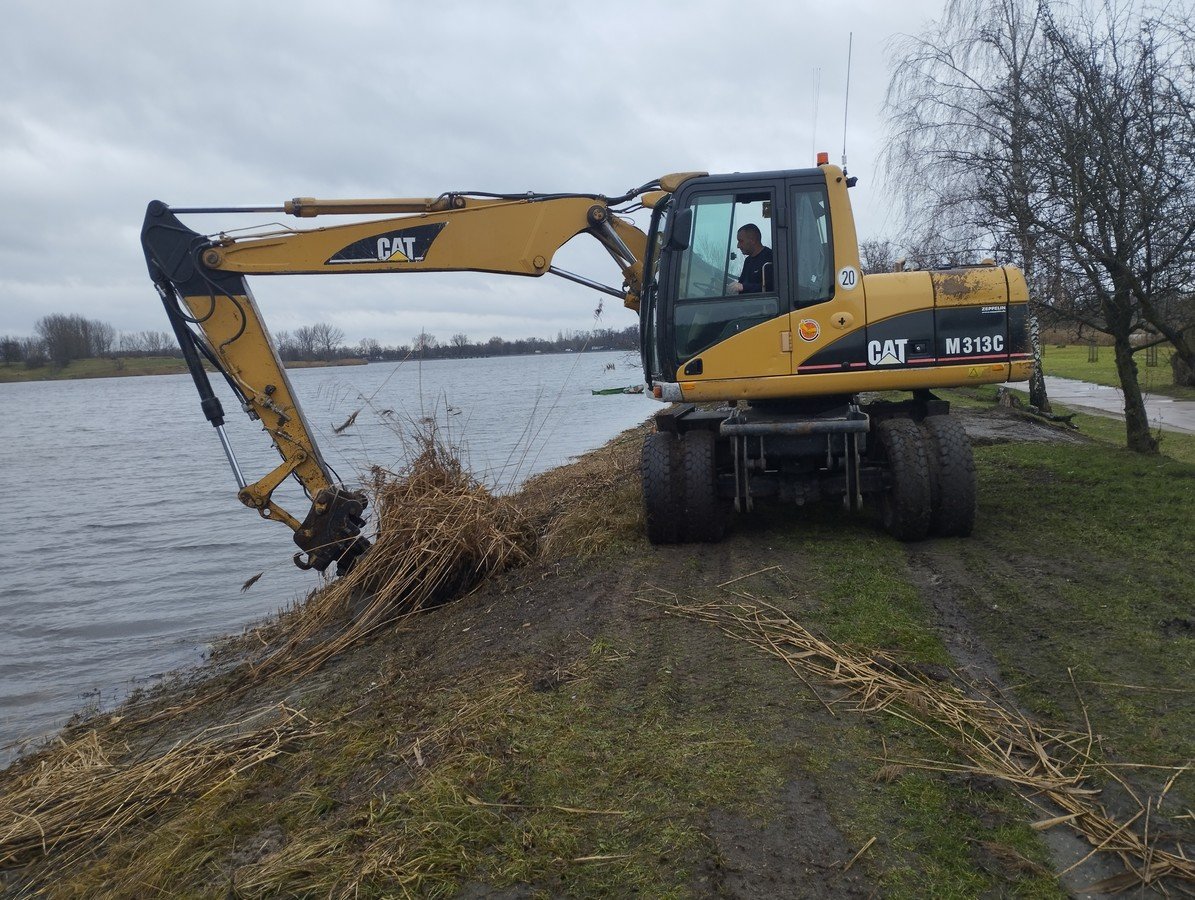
{"type": "Point", "coordinates": [806, 800]}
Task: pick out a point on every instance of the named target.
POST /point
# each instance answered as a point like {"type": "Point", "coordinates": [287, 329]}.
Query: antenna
{"type": "Point", "coordinates": [846, 102]}
{"type": "Point", "coordinates": [817, 93]}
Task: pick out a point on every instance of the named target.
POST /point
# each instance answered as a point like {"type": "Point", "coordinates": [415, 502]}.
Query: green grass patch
{"type": "Point", "coordinates": [1079, 572]}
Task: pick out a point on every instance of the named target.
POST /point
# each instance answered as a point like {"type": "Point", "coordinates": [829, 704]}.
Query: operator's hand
{"type": "Point", "coordinates": [735, 287]}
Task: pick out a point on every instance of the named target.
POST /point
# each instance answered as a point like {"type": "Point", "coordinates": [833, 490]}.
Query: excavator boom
{"type": "Point", "coordinates": [201, 280]}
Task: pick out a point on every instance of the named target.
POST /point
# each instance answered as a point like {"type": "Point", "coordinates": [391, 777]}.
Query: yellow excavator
{"type": "Point", "coordinates": [758, 329]}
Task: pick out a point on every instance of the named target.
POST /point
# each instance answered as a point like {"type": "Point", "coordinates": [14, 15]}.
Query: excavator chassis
{"type": "Point", "coordinates": [910, 459]}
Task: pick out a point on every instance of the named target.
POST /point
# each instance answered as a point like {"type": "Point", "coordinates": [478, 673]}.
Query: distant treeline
{"type": "Point", "coordinates": [59, 339]}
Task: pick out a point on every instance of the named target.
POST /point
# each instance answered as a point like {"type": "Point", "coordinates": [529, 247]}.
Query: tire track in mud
{"type": "Point", "coordinates": [943, 582]}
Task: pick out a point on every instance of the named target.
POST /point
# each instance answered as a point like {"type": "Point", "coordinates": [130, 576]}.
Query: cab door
{"type": "Point", "coordinates": [829, 310]}
{"type": "Point", "coordinates": [716, 330]}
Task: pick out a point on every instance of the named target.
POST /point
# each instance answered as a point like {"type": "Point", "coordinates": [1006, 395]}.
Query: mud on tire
{"type": "Point", "coordinates": [952, 477]}
{"type": "Point", "coordinates": [905, 508]}
{"type": "Point", "coordinates": [704, 518]}
{"type": "Point", "coordinates": [660, 466]}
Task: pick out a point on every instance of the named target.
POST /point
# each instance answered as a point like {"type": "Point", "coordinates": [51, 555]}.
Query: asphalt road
{"type": "Point", "coordinates": [1163, 412]}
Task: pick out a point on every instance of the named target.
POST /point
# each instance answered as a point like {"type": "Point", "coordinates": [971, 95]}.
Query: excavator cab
{"type": "Point", "coordinates": [702, 289]}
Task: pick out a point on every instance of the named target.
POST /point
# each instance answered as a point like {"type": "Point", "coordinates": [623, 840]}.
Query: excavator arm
{"type": "Point", "coordinates": [202, 283]}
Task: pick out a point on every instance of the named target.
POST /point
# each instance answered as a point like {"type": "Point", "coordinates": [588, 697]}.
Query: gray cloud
{"type": "Point", "coordinates": [107, 106]}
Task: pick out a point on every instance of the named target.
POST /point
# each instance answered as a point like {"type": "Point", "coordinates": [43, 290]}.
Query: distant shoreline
{"type": "Point", "coordinates": [121, 367]}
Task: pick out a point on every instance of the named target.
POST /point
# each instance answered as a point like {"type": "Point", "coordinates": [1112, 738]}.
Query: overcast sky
{"type": "Point", "coordinates": [106, 106]}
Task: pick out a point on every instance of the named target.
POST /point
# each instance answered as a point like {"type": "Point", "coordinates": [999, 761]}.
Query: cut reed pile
{"type": "Point", "coordinates": [86, 791]}
{"type": "Point", "coordinates": [1054, 770]}
{"type": "Point", "coordinates": [440, 533]}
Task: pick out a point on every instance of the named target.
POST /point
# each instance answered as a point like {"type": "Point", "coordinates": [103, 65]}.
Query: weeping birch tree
{"type": "Point", "coordinates": [1069, 132]}
{"type": "Point", "coordinates": [957, 124]}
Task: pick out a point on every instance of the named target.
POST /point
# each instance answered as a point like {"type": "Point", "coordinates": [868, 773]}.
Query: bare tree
{"type": "Point", "coordinates": [326, 340]}
{"type": "Point", "coordinates": [957, 118]}
{"type": "Point", "coordinates": [1074, 137]}
{"type": "Point", "coordinates": [877, 255]}
{"type": "Point", "coordinates": [11, 350]}
{"type": "Point", "coordinates": [1112, 129]}
{"type": "Point", "coordinates": [146, 343]}
{"type": "Point", "coordinates": [304, 343]}
{"type": "Point", "coordinates": [74, 337]}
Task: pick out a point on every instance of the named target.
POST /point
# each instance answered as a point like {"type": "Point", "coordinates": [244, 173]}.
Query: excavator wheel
{"type": "Point", "coordinates": [704, 519]}
{"type": "Point", "coordinates": [906, 507]}
{"type": "Point", "coordinates": [952, 477]}
{"type": "Point", "coordinates": [660, 466]}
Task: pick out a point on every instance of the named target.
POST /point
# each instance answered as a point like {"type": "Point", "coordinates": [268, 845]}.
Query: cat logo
{"type": "Point", "coordinates": [886, 353]}
{"type": "Point", "coordinates": [404, 245]}
{"type": "Point", "coordinates": [399, 248]}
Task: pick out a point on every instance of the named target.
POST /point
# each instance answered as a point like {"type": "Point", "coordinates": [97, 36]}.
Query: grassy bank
{"type": "Point", "coordinates": [800, 710]}
{"type": "Point", "coordinates": [121, 366]}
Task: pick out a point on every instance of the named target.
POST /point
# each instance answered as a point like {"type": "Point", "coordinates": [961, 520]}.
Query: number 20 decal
{"type": "Point", "coordinates": [848, 278]}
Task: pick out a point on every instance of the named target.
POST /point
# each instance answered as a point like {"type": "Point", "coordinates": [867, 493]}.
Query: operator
{"type": "Point", "coordinates": [757, 272]}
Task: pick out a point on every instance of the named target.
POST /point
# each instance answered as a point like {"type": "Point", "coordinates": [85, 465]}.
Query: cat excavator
{"type": "Point", "coordinates": [769, 385]}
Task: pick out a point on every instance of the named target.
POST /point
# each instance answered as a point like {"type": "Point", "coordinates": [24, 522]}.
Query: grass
{"type": "Point", "coordinates": [587, 788]}
{"type": "Point", "coordinates": [95, 368]}
{"type": "Point", "coordinates": [1101, 539]}
{"type": "Point", "coordinates": [845, 582]}
{"type": "Point", "coordinates": [1073, 362]}
{"type": "Point", "coordinates": [608, 760]}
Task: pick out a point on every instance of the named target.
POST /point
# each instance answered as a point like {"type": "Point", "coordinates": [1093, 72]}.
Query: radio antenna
{"type": "Point", "coordinates": [846, 102]}
{"type": "Point", "coordinates": [817, 93]}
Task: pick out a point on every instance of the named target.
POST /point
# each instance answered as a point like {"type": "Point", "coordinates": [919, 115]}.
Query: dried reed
{"type": "Point", "coordinates": [996, 739]}
{"type": "Point", "coordinates": [440, 532]}
{"type": "Point", "coordinates": [86, 792]}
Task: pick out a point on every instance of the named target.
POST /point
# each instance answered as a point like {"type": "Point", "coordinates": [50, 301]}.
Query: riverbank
{"type": "Point", "coordinates": [795, 711]}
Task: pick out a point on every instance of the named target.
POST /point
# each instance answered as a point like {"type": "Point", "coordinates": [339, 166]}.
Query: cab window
{"type": "Point", "coordinates": [814, 257]}
{"type": "Point", "coordinates": [712, 303]}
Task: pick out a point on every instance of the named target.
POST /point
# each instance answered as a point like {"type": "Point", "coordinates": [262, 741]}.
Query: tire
{"type": "Point", "coordinates": [906, 506]}
{"type": "Point", "coordinates": [704, 519]}
{"type": "Point", "coordinates": [660, 467]}
{"type": "Point", "coordinates": [953, 487]}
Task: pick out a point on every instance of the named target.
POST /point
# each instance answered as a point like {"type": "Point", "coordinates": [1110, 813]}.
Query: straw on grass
{"type": "Point", "coordinates": [996, 739]}
{"type": "Point", "coordinates": [88, 791]}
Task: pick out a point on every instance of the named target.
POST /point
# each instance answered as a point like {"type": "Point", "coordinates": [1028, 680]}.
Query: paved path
{"type": "Point", "coordinates": [1163, 412]}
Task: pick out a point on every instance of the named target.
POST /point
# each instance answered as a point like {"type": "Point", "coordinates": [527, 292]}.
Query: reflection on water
{"type": "Point", "coordinates": [126, 546]}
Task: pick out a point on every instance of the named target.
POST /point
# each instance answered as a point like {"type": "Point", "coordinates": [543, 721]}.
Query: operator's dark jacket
{"type": "Point", "coordinates": [753, 277]}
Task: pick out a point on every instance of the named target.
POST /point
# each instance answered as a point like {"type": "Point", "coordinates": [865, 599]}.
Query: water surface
{"type": "Point", "coordinates": [126, 547]}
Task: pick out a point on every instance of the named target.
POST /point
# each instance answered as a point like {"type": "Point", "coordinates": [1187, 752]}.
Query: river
{"type": "Point", "coordinates": [126, 548]}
